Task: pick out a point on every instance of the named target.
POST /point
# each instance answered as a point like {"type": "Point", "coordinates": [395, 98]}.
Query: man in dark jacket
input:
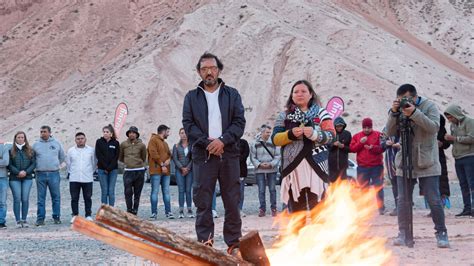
{"type": "Point", "coordinates": [213, 118]}
{"type": "Point", "coordinates": [244, 154]}
{"type": "Point", "coordinates": [339, 151]}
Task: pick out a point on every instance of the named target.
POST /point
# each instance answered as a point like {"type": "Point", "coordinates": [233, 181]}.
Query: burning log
{"type": "Point", "coordinates": [133, 246]}
{"type": "Point", "coordinates": [252, 249]}
{"type": "Point", "coordinates": [164, 246]}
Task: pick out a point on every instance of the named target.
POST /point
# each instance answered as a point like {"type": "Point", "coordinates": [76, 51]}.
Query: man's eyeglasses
{"type": "Point", "coordinates": [43, 131]}
{"type": "Point", "coordinates": [206, 69]}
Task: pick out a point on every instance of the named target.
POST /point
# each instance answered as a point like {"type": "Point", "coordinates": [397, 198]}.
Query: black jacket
{"type": "Point", "coordinates": [443, 179]}
{"type": "Point", "coordinates": [107, 154]}
{"type": "Point", "coordinates": [196, 124]}
{"type": "Point", "coordinates": [338, 158]}
{"type": "Point", "coordinates": [244, 154]}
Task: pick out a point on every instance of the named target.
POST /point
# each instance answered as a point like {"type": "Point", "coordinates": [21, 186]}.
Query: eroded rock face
{"type": "Point", "coordinates": [69, 64]}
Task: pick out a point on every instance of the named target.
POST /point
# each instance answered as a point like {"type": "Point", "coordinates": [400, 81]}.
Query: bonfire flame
{"type": "Point", "coordinates": [337, 231]}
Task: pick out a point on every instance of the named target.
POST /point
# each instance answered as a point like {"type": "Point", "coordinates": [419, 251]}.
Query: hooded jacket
{"type": "Point", "coordinates": [338, 157]}
{"type": "Point", "coordinates": [49, 154]}
{"type": "Point", "coordinates": [425, 125]}
{"type": "Point", "coordinates": [463, 131]}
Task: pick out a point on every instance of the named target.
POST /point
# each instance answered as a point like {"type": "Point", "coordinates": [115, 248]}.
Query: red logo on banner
{"type": "Point", "coordinates": [121, 113]}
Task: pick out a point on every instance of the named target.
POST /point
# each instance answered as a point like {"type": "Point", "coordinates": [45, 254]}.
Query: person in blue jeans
{"type": "Point", "coordinates": [4, 160]}
{"type": "Point", "coordinates": [107, 151]}
{"type": "Point", "coordinates": [49, 156]}
{"type": "Point", "coordinates": [21, 166]}
{"type": "Point", "coordinates": [462, 138]}
{"type": "Point", "coordinates": [159, 159]}
{"type": "Point", "coordinates": [265, 156]}
{"type": "Point", "coordinates": [184, 175]}
{"type": "Point", "coordinates": [369, 149]}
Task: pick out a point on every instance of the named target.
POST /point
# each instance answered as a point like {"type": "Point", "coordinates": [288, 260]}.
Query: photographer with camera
{"type": "Point", "coordinates": [422, 116]}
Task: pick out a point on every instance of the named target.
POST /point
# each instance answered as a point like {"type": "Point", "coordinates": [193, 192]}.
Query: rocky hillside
{"type": "Point", "coordinates": [69, 63]}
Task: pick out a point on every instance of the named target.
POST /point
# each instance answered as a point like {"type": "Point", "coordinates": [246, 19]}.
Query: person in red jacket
{"type": "Point", "coordinates": [368, 147]}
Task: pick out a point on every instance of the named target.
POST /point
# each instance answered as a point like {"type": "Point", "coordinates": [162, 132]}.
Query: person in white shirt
{"type": "Point", "coordinates": [81, 164]}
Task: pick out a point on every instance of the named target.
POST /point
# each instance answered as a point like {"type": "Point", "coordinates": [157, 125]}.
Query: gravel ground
{"type": "Point", "coordinates": [58, 244]}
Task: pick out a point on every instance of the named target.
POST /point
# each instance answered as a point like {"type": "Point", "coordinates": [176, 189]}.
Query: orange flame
{"type": "Point", "coordinates": [336, 231]}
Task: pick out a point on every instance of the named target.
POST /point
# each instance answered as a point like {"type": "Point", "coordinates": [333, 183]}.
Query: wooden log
{"type": "Point", "coordinates": [160, 236]}
{"type": "Point", "coordinates": [252, 249]}
{"type": "Point", "coordinates": [136, 247]}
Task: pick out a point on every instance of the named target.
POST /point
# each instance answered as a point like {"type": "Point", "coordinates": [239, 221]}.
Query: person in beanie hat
{"type": "Point", "coordinates": [368, 147]}
{"type": "Point", "coordinates": [339, 151]}
{"type": "Point", "coordinates": [133, 155]}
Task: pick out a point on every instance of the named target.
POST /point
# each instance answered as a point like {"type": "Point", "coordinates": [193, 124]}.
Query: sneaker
{"type": "Point", "coordinates": [393, 212]}
{"type": "Point", "coordinates": [153, 216]}
{"type": "Point", "coordinates": [25, 224]}
{"type": "Point", "coordinates": [73, 218]}
{"type": "Point", "coordinates": [39, 223]}
{"type": "Point", "coordinates": [399, 240]}
{"type": "Point", "coordinates": [190, 214]}
{"type": "Point", "coordinates": [442, 240]}
{"type": "Point", "coordinates": [382, 211]}
{"type": "Point", "coordinates": [274, 212]}
{"type": "Point", "coordinates": [19, 224]}
{"type": "Point", "coordinates": [3, 226]}
{"type": "Point", "coordinates": [463, 213]}
{"type": "Point", "coordinates": [181, 215]}
{"type": "Point", "coordinates": [169, 215]}
{"type": "Point", "coordinates": [261, 213]}
{"type": "Point", "coordinates": [57, 221]}
{"type": "Point", "coordinates": [215, 214]}
{"type": "Point", "coordinates": [242, 214]}
{"type": "Point", "coordinates": [89, 218]}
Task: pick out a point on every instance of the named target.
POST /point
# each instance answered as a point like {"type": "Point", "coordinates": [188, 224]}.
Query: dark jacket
{"type": "Point", "coordinates": [107, 154]}
{"type": "Point", "coordinates": [338, 157]}
{"type": "Point", "coordinates": [21, 162]}
{"type": "Point", "coordinates": [244, 154]}
{"type": "Point", "coordinates": [443, 179]}
{"type": "Point", "coordinates": [196, 124]}
{"type": "Point", "coordinates": [133, 154]}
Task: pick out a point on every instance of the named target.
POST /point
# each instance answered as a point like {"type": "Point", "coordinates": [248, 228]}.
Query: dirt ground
{"type": "Point", "coordinates": [58, 244]}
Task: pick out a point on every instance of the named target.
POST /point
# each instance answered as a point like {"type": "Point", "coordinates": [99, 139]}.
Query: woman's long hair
{"type": "Point", "coordinates": [112, 130]}
{"type": "Point", "coordinates": [27, 148]}
{"type": "Point", "coordinates": [290, 104]}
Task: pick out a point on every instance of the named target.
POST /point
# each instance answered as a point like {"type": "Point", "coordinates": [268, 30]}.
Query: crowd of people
{"type": "Point", "coordinates": [211, 150]}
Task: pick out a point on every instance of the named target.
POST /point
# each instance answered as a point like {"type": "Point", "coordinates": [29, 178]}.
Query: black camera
{"type": "Point", "coordinates": [405, 102]}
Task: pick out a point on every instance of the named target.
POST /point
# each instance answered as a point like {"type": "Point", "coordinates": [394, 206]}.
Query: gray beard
{"type": "Point", "coordinates": [210, 82]}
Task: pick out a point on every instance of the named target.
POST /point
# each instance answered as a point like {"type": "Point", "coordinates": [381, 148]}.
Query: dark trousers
{"type": "Point", "coordinates": [393, 181]}
{"type": "Point", "coordinates": [465, 173]}
{"type": "Point", "coordinates": [133, 184]}
{"type": "Point", "coordinates": [430, 189]}
{"type": "Point", "coordinates": [340, 173]}
{"type": "Point", "coordinates": [75, 190]}
{"type": "Point", "coordinates": [372, 176]}
{"type": "Point", "coordinates": [205, 176]}
{"type": "Point", "coordinates": [306, 201]}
